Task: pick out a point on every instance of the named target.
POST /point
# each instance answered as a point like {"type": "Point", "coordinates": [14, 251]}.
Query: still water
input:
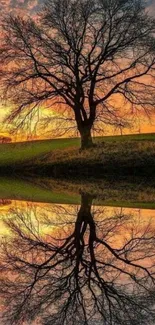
{"type": "Point", "coordinates": [80, 262]}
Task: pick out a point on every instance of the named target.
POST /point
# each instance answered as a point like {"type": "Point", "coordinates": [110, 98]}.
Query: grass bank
{"type": "Point", "coordinates": [105, 192]}
{"type": "Point", "coordinates": [130, 156]}
{"type": "Point", "coordinates": [114, 155]}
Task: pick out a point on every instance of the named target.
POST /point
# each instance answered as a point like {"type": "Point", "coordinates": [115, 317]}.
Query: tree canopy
{"type": "Point", "coordinates": [94, 58]}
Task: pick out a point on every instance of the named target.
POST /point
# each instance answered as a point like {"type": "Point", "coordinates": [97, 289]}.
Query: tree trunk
{"type": "Point", "coordinates": [86, 138]}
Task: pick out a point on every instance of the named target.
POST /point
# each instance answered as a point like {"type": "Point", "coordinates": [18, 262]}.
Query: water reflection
{"type": "Point", "coordinates": [77, 266]}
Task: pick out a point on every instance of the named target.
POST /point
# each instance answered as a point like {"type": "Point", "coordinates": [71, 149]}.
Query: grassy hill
{"type": "Point", "coordinates": [20, 152]}
{"type": "Point", "coordinates": [11, 153]}
{"type": "Point", "coordinates": [128, 154]}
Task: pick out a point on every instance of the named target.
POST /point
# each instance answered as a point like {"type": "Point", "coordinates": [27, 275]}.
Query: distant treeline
{"type": "Point", "coordinates": [4, 139]}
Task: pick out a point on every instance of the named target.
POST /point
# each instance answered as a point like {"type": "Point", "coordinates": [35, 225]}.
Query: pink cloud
{"type": "Point", "coordinates": [28, 6]}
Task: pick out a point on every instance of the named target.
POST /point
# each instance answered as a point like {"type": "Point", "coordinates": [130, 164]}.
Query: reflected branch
{"type": "Point", "coordinates": [91, 269]}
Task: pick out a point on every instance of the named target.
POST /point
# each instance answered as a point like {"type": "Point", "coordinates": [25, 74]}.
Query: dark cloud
{"type": "Point", "coordinates": [28, 6]}
{"type": "Point", "coordinates": [32, 6]}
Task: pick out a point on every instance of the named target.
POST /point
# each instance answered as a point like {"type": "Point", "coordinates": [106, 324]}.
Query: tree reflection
{"type": "Point", "coordinates": [90, 270]}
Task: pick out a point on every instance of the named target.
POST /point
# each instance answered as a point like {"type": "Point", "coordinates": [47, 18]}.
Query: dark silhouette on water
{"type": "Point", "coordinates": [80, 275]}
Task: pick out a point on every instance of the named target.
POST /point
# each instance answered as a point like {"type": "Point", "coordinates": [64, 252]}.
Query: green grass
{"type": "Point", "coordinates": [24, 151]}
{"type": "Point", "coordinates": [14, 153]}
{"type": "Point", "coordinates": [134, 137]}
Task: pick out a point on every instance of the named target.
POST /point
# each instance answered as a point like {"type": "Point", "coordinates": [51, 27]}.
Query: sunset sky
{"type": "Point", "coordinates": [30, 7]}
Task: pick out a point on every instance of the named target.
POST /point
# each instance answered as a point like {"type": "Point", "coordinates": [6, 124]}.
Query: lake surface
{"type": "Point", "coordinates": [68, 257]}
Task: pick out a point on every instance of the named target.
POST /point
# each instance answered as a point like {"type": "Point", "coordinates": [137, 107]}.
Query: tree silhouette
{"type": "Point", "coordinates": [88, 58]}
{"type": "Point", "coordinates": [82, 274]}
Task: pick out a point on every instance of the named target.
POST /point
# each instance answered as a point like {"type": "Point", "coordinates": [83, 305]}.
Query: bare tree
{"type": "Point", "coordinates": [80, 274]}
{"type": "Point", "coordinates": [87, 57]}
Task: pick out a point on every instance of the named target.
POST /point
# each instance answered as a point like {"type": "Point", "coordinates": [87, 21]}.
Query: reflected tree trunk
{"type": "Point", "coordinates": [85, 218]}
{"type": "Point", "coordinates": [80, 274]}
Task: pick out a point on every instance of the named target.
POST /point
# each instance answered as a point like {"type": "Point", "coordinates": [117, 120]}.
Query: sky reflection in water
{"type": "Point", "coordinates": [69, 264]}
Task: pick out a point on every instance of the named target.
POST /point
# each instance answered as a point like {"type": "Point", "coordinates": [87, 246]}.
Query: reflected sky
{"type": "Point", "coordinates": [76, 264]}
